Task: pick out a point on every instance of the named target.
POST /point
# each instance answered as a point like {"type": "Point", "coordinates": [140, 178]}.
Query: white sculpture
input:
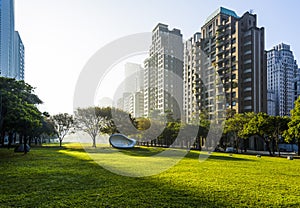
{"type": "Point", "coordinates": [121, 141]}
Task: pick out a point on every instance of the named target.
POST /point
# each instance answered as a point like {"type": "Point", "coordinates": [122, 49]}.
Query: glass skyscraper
{"type": "Point", "coordinates": [11, 46]}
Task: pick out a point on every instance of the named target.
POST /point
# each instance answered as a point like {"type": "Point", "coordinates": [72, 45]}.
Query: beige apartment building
{"type": "Point", "coordinates": [225, 67]}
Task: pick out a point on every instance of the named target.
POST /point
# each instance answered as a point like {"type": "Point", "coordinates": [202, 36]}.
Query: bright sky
{"type": "Point", "coordinates": [60, 36]}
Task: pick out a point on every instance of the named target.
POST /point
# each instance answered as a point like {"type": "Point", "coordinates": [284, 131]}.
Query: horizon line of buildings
{"type": "Point", "coordinates": [224, 68]}
{"type": "Point", "coordinates": [11, 46]}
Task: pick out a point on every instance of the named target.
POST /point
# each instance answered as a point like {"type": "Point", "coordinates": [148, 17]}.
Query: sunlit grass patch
{"type": "Point", "coordinates": [70, 177]}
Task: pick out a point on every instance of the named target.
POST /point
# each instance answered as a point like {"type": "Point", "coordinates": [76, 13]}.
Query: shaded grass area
{"type": "Point", "coordinates": [68, 177]}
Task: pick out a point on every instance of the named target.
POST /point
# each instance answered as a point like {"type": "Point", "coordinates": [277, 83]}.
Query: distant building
{"type": "Point", "coordinates": [281, 79]}
{"type": "Point", "coordinates": [134, 77]}
{"type": "Point", "coordinates": [165, 62]}
{"type": "Point", "coordinates": [132, 100]}
{"type": "Point", "coordinates": [227, 63]}
{"type": "Point", "coordinates": [11, 46]}
{"type": "Point", "coordinates": [120, 103]}
{"type": "Point", "coordinates": [191, 99]}
{"type": "Point", "coordinates": [138, 104]}
{"type": "Point", "coordinates": [17, 71]}
{"type": "Point", "coordinates": [271, 102]}
{"type": "Point", "coordinates": [7, 29]}
{"type": "Point", "coordinates": [128, 102]}
{"type": "Point", "coordinates": [297, 83]}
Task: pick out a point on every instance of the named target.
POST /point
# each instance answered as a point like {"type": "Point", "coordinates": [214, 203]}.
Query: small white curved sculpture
{"type": "Point", "coordinates": [121, 141]}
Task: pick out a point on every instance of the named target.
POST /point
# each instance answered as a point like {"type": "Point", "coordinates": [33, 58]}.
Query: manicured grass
{"type": "Point", "coordinates": [68, 177]}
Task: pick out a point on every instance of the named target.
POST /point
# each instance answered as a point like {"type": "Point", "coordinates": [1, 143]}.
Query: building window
{"type": "Point", "coordinates": [248, 80]}
{"type": "Point", "coordinates": [247, 89]}
{"type": "Point", "coordinates": [249, 107]}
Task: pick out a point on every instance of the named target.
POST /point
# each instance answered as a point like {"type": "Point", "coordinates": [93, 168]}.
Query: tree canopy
{"type": "Point", "coordinates": [92, 120]}
{"type": "Point", "coordinates": [18, 108]}
{"type": "Point", "coordinates": [293, 132]}
{"type": "Point", "coordinates": [62, 123]}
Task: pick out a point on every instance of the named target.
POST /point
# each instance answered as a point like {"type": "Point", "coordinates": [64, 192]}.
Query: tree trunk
{"type": "Point", "coordinates": [10, 139]}
{"type": "Point", "coordinates": [245, 144]}
{"type": "Point", "coordinates": [273, 146]}
{"type": "Point", "coordinates": [2, 137]}
{"type": "Point", "coordinates": [198, 143]}
{"type": "Point", "coordinates": [60, 142]}
{"type": "Point", "coordinates": [268, 147]}
{"type": "Point", "coordinates": [15, 138]}
{"type": "Point", "coordinates": [21, 139]}
{"type": "Point", "coordinates": [25, 142]}
{"type": "Point", "coordinates": [298, 147]}
{"type": "Point", "coordinates": [236, 142]}
{"type": "Point", "coordinates": [278, 147]}
{"type": "Point", "coordinates": [94, 142]}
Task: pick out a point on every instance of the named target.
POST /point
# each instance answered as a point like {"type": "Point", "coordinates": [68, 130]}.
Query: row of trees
{"type": "Point", "coordinates": [19, 114]}
{"type": "Point", "coordinates": [106, 120]}
{"type": "Point", "coordinates": [20, 117]}
{"type": "Point", "coordinates": [272, 129]}
{"type": "Point", "coordinates": [268, 128]}
{"type": "Point", "coordinates": [18, 110]}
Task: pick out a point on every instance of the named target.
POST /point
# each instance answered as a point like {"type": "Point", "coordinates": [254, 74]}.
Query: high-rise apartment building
{"type": "Point", "coordinates": [134, 77]}
{"type": "Point", "coordinates": [297, 83]}
{"type": "Point", "coordinates": [228, 66]}
{"type": "Point", "coordinates": [11, 46]}
{"type": "Point", "coordinates": [7, 28]}
{"type": "Point", "coordinates": [17, 70]}
{"type": "Point", "coordinates": [281, 79]}
{"type": "Point", "coordinates": [163, 72]}
{"type": "Point", "coordinates": [132, 100]}
{"type": "Point", "coordinates": [191, 104]}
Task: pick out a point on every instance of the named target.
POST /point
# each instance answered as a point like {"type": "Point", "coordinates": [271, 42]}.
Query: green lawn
{"type": "Point", "coordinates": [55, 177]}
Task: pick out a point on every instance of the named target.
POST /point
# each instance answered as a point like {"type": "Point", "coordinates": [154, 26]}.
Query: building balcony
{"type": "Point", "coordinates": [220, 69]}
{"type": "Point", "coordinates": [220, 36]}
{"type": "Point", "coordinates": [220, 42]}
{"type": "Point", "coordinates": [220, 60]}
{"type": "Point", "coordinates": [213, 59]}
{"type": "Point", "coordinates": [220, 52]}
{"type": "Point", "coordinates": [220, 28]}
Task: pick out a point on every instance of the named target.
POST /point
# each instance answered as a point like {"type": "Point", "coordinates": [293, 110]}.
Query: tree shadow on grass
{"type": "Point", "coordinates": [227, 158]}
{"type": "Point", "coordinates": [136, 151]}
{"type": "Point", "coordinates": [143, 152]}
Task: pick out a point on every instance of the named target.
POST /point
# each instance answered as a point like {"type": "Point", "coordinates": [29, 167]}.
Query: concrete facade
{"type": "Point", "coordinates": [165, 61]}
{"type": "Point", "coordinates": [281, 79]}
{"type": "Point", "coordinates": [228, 60]}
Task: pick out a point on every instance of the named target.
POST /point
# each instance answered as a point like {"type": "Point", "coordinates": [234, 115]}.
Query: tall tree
{"type": "Point", "coordinates": [122, 122]}
{"type": "Point", "coordinates": [170, 133]}
{"type": "Point", "coordinates": [293, 132]}
{"type": "Point", "coordinates": [46, 130]}
{"type": "Point", "coordinates": [235, 125]}
{"type": "Point", "coordinates": [92, 120]}
{"type": "Point", "coordinates": [259, 125]}
{"type": "Point", "coordinates": [18, 111]}
{"type": "Point", "coordinates": [276, 128]}
{"type": "Point", "coordinates": [62, 123]}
